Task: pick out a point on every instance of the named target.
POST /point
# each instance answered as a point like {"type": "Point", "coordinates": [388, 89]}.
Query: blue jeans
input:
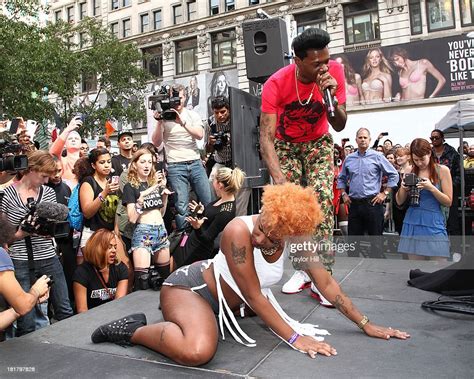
{"type": "Point", "coordinates": [37, 318]}
{"type": "Point", "coordinates": [180, 176]}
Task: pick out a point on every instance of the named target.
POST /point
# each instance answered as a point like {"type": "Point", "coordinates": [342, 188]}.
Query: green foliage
{"type": "Point", "coordinates": [42, 61]}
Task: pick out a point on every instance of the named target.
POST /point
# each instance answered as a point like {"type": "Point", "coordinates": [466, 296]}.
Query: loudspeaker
{"type": "Point", "coordinates": [265, 44]}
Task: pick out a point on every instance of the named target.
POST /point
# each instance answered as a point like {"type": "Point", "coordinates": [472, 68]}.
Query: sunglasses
{"type": "Point", "coordinates": [435, 138]}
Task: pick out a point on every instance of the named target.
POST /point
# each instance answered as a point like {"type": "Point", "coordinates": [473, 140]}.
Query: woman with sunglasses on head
{"type": "Point", "coordinates": [424, 234]}
{"type": "Point", "coordinates": [145, 196]}
{"type": "Point", "coordinates": [249, 262]}
{"type": "Point", "coordinates": [208, 222]}
{"type": "Point", "coordinates": [102, 277]}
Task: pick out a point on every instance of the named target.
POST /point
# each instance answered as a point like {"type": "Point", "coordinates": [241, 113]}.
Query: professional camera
{"type": "Point", "coordinates": [155, 280]}
{"type": "Point", "coordinates": [222, 140]}
{"type": "Point", "coordinates": [11, 158]}
{"type": "Point", "coordinates": [411, 180]}
{"type": "Point", "coordinates": [46, 219]}
{"type": "Point", "coordinates": [163, 101]}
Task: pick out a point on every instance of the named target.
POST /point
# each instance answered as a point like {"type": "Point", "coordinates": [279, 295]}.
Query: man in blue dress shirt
{"type": "Point", "coordinates": [362, 172]}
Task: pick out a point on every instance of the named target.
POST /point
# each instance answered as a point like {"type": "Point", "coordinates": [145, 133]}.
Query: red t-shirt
{"type": "Point", "coordinates": [297, 123]}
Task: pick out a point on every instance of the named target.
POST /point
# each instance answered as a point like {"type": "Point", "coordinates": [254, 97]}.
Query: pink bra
{"type": "Point", "coordinates": [352, 90]}
{"type": "Point", "coordinates": [415, 76]}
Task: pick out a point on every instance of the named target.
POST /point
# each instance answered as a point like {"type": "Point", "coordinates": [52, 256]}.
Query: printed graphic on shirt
{"type": "Point", "coordinates": [153, 201]}
{"type": "Point", "coordinates": [104, 294]}
{"type": "Point", "coordinates": [297, 121]}
{"type": "Point", "coordinates": [108, 208]}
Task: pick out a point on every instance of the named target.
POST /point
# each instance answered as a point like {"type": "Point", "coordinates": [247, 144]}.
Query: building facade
{"type": "Point", "coordinates": [199, 43]}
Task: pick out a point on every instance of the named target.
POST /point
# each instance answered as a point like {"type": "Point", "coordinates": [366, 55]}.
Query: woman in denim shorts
{"type": "Point", "coordinates": [145, 197]}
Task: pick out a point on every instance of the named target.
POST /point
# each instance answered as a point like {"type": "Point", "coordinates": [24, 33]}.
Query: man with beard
{"type": "Point", "coordinates": [469, 161]}
{"type": "Point", "coordinates": [447, 155]}
{"type": "Point", "coordinates": [294, 131]}
{"type": "Point", "coordinates": [120, 162]}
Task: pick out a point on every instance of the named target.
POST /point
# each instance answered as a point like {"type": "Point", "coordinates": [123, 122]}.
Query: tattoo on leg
{"type": "Point", "coordinates": [162, 334]}
{"type": "Point", "coordinates": [238, 254]}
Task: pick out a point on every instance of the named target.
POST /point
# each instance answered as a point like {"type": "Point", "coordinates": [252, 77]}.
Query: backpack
{"type": "Point", "coordinates": [75, 216]}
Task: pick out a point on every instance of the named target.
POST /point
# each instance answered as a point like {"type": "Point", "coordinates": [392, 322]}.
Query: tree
{"type": "Point", "coordinates": [43, 62]}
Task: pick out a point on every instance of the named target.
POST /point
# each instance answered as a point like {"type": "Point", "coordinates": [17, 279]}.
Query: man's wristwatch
{"type": "Point", "coordinates": [386, 193]}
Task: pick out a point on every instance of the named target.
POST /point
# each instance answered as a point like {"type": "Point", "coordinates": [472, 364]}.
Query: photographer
{"type": "Point", "coordinates": [18, 302]}
{"type": "Point", "coordinates": [179, 128]}
{"type": "Point", "coordinates": [424, 234]}
{"type": "Point", "coordinates": [219, 145]}
{"type": "Point", "coordinates": [34, 254]}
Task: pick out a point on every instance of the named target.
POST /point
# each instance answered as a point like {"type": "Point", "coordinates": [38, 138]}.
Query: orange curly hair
{"type": "Point", "coordinates": [290, 210]}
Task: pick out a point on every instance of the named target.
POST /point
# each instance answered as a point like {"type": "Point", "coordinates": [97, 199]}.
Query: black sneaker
{"type": "Point", "coordinates": [119, 331]}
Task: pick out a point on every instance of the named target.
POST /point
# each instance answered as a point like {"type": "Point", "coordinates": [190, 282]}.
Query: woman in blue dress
{"type": "Point", "coordinates": [424, 233]}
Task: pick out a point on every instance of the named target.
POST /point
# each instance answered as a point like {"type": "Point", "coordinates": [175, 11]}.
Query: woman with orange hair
{"type": "Point", "coordinates": [249, 262]}
{"type": "Point", "coordinates": [102, 277]}
{"type": "Point", "coordinates": [424, 234]}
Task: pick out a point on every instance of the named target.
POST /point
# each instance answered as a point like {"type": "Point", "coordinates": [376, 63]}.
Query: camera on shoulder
{"type": "Point", "coordinates": [11, 157]}
{"type": "Point", "coordinates": [163, 101]}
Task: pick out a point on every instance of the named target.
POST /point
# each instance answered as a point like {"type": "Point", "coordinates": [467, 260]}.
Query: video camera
{"type": "Point", "coordinates": [411, 180]}
{"type": "Point", "coordinates": [46, 219]}
{"type": "Point", "coordinates": [11, 157]}
{"type": "Point", "coordinates": [163, 101]}
{"type": "Point", "coordinates": [222, 140]}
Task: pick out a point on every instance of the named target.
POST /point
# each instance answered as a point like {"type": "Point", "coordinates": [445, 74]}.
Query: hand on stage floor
{"type": "Point", "coordinates": [309, 345]}
{"type": "Point", "coordinates": [385, 333]}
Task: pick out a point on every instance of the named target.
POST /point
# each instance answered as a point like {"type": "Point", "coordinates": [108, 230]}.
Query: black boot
{"type": "Point", "coordinates": [141, 281]}
{"type": "Point", "coordinates": [119, 331]}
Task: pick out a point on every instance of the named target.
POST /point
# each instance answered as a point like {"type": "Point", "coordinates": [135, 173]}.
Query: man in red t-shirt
{"type": "Point", "coordinates": [294, 130]}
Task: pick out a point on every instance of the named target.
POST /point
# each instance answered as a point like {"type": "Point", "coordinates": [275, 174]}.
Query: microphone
{"type": "Point", "coordinates": [329, 101]}
{"type": "Point", "coordinates": [52, 211]}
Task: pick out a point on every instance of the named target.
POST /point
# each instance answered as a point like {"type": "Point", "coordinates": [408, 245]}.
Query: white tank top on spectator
{"type": "Point", "coordinates": [180, 146]}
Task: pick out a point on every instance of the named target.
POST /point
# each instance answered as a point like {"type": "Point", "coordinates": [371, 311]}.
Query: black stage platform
{"type": "Point", "coordinates": [441, 346]}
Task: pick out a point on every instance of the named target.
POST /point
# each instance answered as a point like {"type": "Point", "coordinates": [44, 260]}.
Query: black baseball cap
{"type": "Point", "coordinates": [124, 133]}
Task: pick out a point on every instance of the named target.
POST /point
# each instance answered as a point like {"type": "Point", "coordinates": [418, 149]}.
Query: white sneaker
{"type": "Point", "coordinates": [318, 296]}
{"type": "Point", "coordinates": [297, 283]}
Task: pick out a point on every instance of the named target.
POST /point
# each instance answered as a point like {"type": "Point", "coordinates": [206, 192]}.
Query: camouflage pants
{"type": "Point", "coordinates": [314, 162]}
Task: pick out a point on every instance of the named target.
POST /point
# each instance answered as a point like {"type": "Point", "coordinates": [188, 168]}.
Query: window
{"type": "Point", "coordinates": [440, 15]}
{"type": "Point", "coordinates": [177, 14]}
{"type": "Point", "coordinates": [315, 19]}
{"type": "Point", "coordinates": [467, 12]}
{"type": "Point", "coordinates": [57, 16]}
{"type": "Point", "coordinates": [156, 20]}
{"type": "Point", "coordinates": [96, 7]}
{"type": "Point", "coordinates": [223, 48]}
{"type": "Point", "coordinates": [115, 5]}
{"type": "Point", "coordinates": [229, 5]}
{"type": "Point", "coordinates": [254, 2]}
{"type": "Point", "coordinates": [153, 60]}
{"type": "Point", "coordinates": [114, 29]}
{"type": "Point", "coordinates": [126, 3]}
{"type": "Point", "coordinates": [82, 11]}
{"type": "Point", "coordinates": [70, 14]}
{"type": "Point", "coordinates": [213, 7]}
{"type": "Point", "coordinates": [192, 10]}
{"type": "Point", "coordinates": [82, 39]}
{"type": "Point", "coordinates": [186, 56]}
{"type": "Point", "coordinates": [362, 22]}
{"type": "Point", "coordinates": [71, 42]}
{"type": "Point", "coordinates": [415, 17]}
{"type": "Point", "coordinates": [89, 82]}
{"type": "Point", "coordinates": [126, 28]}
{"type": "Point", "coordinates": [144, 21]}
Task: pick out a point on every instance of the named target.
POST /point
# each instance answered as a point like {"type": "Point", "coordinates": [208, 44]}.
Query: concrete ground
{"type": "Point", "coordinates": [441, 344]}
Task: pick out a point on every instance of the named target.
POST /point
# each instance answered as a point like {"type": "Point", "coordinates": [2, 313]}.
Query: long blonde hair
{"type": "Point", "coordinates": [132, 175]}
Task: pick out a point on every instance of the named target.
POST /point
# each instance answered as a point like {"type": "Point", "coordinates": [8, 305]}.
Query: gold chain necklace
{"type": "Point", "coordinates": [297, 92]}
{"type": "Point", "coordinates": [271, 251]}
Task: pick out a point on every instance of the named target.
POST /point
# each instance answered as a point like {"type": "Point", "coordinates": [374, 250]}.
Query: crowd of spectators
{"type": "Point", "coordinates": [146, 213]}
